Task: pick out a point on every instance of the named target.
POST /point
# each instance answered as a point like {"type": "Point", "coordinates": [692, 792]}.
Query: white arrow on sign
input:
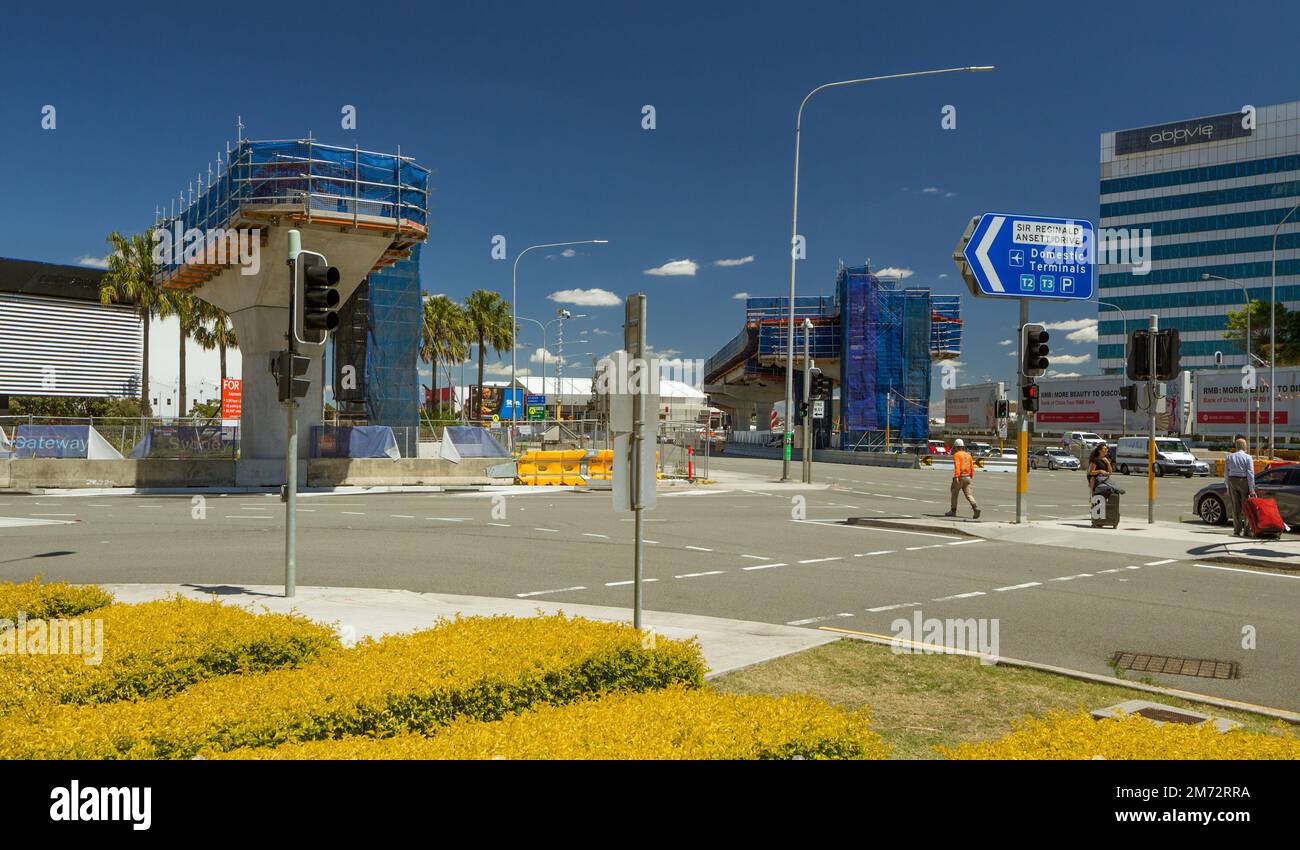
{"type": "Point", "coordinates": [982, 253]}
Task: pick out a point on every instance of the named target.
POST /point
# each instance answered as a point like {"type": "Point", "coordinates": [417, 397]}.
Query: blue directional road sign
{"type": "Point", "coordinates": [1003, 255]}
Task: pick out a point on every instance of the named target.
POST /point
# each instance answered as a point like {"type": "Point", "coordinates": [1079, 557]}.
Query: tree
{"type": "Point", "coordinates": [130, 279]}
{"type": "Point", "coordinates": [1288, 331]}
{"type": "Point", "coordinates": [490, 323]}
{"type": "Point", "coordinates": [215, 331]}
{"type": "Point", "coordinates": [188, 311]}
{"type": "Point", "coordinates": [444, 337]}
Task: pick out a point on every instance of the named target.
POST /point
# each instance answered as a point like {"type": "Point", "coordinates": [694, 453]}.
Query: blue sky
{"type": "Point", "coordinates": [530, 116]}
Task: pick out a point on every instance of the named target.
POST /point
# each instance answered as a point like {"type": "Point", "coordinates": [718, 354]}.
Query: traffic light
{"type": "Point", "coordinates": [820, 384]}
{"type": "Point", "coordinates": [1029, 398]}
{"type": "Point", "coordinates": [1004, 408]}
{"type": "Point", "coordinates": [1168, 355]}
{"type": "Point", "coordinates": [1128, 397]}
{"type": "Point", "coordinates": [1138, 367]}
{"type": "Point", "coordinates": [289, 369]}
{"type": "Point", "coordinates": [316, 310]}
{"type": "Point", "coordinates": [1033, 350]}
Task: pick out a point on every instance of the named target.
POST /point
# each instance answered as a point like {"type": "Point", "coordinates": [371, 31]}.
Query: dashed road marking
{"type": "Point", "coordinates": [893, 607]}
{"type": "Point", "coordinates": [880, 552]}
{"type": "Point", "coordinates": [698, 549]}
{"type": "Point", "coordinates": [764, 566]}
{"type": "Point", "coordinates": [1159, 563]}
{"type": "Point", "coordinates": [593, 534]}
{"type": "Point", "coordinates": [401, 516]}
{"type": "Point", "coordinates": [757, 557]}
{"type": "Point", "coordinates": [500, 524]}
{"type": "Point", "coordinates": [964, 542]}
{"type": "Point", "coordinates": [543, 592]}
{"type": "Point", "coordinates": [973, 593]}
{"type": "Point", "coordinates": [697, 575]}
{"type": "Point", "coordinates": [446, 518]}
{"type": "Point", "coordinates": [1018, 586]}
{"type": "Point", "coordinates": [352, 513]}
{"type": "Point", "coordinates": [931, 546]}
{"type": "Point", "coordinates": [628, 581]}
{"type": "Point", "coordinates": [821, 560]}
{"type": "Point", "coordinates": [548, 530]}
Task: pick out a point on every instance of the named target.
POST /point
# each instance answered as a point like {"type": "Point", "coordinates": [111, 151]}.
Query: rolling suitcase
{"type": "Point", "coordinates": [1110, 509]}
{"type": "Point", "coordinates": [1263, 519]}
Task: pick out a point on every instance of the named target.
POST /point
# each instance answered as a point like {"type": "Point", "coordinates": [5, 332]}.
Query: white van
{"type": "Point", "coordinates": [1172, 456]}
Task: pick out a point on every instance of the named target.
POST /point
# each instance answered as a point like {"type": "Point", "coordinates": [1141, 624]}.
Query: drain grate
{"type": "Point", "coordinates": [1204, 668]}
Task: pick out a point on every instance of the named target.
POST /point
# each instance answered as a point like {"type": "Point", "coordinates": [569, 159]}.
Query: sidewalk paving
{"type": "Point", "coordinates": [366, 612]}
{"type": "Point", "coordinates": [1180, 541]}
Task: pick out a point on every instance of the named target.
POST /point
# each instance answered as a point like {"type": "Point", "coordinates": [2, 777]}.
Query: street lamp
{"type": "Point", "coordinates": [1272, 337]}
{"type": "Point", "coordinates": [1124, 319]}
{"type": "Point", "coordinates": [1246, 296]}
{"type": "Point", "coordinates": [794, 234]}
{"type": "Point", "coordinates": [514, 314]}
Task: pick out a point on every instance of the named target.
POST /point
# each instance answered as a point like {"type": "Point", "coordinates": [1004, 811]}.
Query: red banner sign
{"type": "Point", "coordinates": [232, 398]}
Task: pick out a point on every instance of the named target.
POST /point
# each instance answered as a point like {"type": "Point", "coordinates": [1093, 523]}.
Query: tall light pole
{"type": "Point", "coordinates": [514, 315]}
{"type": "Point", "coordinates": [794, 235]}
{"type": "Point", "coordinates": [1245, 295]}
{"type": "Point", "coordinates": [1124, 319]}
{"type": "Point", "coordinates": [1272, 338]}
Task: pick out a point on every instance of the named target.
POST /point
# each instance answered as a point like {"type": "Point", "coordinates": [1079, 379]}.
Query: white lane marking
{"type": "Point", "coordinates": [1071, 578]}
{"type": "Point", "coordinates": [247, 516]}
{"type": "Point", "coordinates": [906, 498]}
{"type": "Point", "coordinates": [964, 542]}
{"type": "Point", "coordinates": [305, 510]}
{"type": "Point", "coordinates": [650, 541]}
{"type": "Point", "coordinates": [1236, 570]}
{"type": "Point", "coordinates": [931, 546]}
{"type": "Point", "coordinates": [1108, 572]}
{"type": "Point", "coordinates": [254, 507]}
{"type": "Point", "coordinates": [699, 549]}
{"type": "Point", "coordinates": [1018, 586]}
{"type": "Point", "coordinates": [820, 560]}
{"type": "Point", "coordinates": [543, 592]}
{"type": "Point", "coordinates": [500, 524]}
{"type": "Point", "coordinates": [401, 516]}
{"type": "Point", "coordinates": [826, 524]}
{"type": "Point", "coordinates": [892, 607]}
{"type": "Point", "coordinates": [352, 513]}
{"type": "Point", "coordinates": [1159, 563]}
{"type": "Point", "coordinates": [1131, 567]}
{"type": "Point", "coordinates": [807, 621]}
{"type": "Point", "coordinates": [757, 557]}
{"type": "Point", "coordinates": [446, 518]}
{"type": "Point", "coordinates": [98, 506]}
{"type": "Point", "coordinates": [960, 596]}
{"type": "Point", "coordinates": [763, 566]}
{"type": "Point", "coordinates": [51, 514]}
{"type": "Point", "coordinates": [697, 575]}
{"type": "Point", "coordinates": [593, 534]}
{"type": "Point", "coordinates": [628, 581]}
{"type": "Point", "coordinates": [548, 530]}
{"type": "Point", "coordinates": [880, 552]}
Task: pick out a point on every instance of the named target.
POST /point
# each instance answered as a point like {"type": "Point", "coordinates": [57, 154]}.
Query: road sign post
{"type": "Point", "coordinates": [1151, 446]}
{"type": "Point", "coordinates": [807, 397]}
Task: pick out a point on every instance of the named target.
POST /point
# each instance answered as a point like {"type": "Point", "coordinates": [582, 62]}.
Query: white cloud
{"type": "Point", "coordinates": [1006, 342]}
{"type": "Point", "coordinates": [1083, 335]}
{"type": "Point", "coordinates": [600, 332]}
{"type": "Point", "coordinates": [738, 262]}
{"type": "Point", "coordinates": [1012, 353]}
{"type": "Point", "coordinates": [740, 296]}
{"type": "Point", "coordinates": [541, 354]}
{"type": "Point", "coordinates": [93, 262]}
{"type": "Point", "coordinates": [675, 268]}
{"type": "Point", "coordinates": [568, 252]}
{"type": "Point", "coordinates": [943, 275]}
{"type": "Point", "coordinates": [1070, 324]}
{"type": "Point", "coordinates": [950, 194]}
{"type": "Point", "coordinates": [1068, 359]}
{"type": "Point", "coordinates": [894, 271]}
{"type": "Point", "coordinates": [502, 367]}
{"type": "Point", "coordinates": [1054, 374]}
{"type": "Point", "coordinates": [930, 190]}
{"type": "Point", "coordinates": [586, 297]}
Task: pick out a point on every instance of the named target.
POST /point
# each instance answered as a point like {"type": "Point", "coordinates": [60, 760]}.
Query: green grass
{"type": "Point", "coordinates": [919, 701]}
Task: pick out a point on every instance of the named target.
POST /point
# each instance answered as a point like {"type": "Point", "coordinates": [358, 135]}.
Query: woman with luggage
{"type": "Point", "coordinates": [1099, 487]}
{"type": "Point", "coordinates": [1099, 467]}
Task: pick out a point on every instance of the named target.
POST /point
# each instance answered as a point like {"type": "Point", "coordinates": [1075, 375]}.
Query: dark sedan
{"type": "Point", "coordinates": [1281, 483]}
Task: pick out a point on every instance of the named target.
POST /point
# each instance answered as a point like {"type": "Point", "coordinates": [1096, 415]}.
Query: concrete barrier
{"type": "Point", "coordinates": [899, 461]}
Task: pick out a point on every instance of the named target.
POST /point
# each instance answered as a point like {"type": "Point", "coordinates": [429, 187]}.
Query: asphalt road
{"type": "Point", "coordinates": [742, 549]}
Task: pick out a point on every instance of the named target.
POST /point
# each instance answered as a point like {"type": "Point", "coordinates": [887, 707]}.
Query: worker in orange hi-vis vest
{"type": "Point", "coordinates": [963, 470]}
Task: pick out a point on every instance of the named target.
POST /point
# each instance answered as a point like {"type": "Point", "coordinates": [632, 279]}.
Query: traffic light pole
{"type": "Point", "coordinates": [291, 450]}
{"type": "Point", "coordinates": [1151, 403]}
{"type": "Point", "coordinates": [807, 397]}
{"type": "Point", "coordinates": [1022, 444]}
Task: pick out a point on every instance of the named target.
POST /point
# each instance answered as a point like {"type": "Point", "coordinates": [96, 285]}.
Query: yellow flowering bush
{"type": "Point", "coordinates": [54, 599]}
{"type": "Point", "coordinates": [478, 667]}
{"type": "Point", "coordinates": [675, 723]}
{"type": "Point", "coordinates": [1065, 735]}
{"type": "Point", "coordinates": [157, 649]}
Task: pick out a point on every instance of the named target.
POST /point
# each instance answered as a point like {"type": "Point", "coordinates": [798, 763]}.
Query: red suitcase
{"type": "Point", "coordinates": [1263, 518]}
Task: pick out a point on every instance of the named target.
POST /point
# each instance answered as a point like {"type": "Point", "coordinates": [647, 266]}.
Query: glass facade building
{"type": "Point", "coordinates": [1211, 192]}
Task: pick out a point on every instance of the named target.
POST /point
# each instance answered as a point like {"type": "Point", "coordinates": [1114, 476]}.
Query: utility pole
{"type": "Point", "coordinates": [635, 341]}
{"type": "Point", "coordinates": [1022, 440]}
{"type": "Point", "coordinates": [1151, 399]}
{"type": "Point", "coordinates": [807, 397]}
{"type": "Point", "coordinates": [291, 450]}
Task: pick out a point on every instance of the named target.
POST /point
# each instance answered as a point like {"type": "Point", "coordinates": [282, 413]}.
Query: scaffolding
{"type": "Point", "coordinates": [393, 344]}
{"type": "Point", "coordinates": [301, 181]}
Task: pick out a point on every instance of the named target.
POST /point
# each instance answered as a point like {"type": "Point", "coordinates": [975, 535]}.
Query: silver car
{"type": "Point", "coordinates": [1053, 459]}
{"type": "Point", "coordinates": [1281, 483]}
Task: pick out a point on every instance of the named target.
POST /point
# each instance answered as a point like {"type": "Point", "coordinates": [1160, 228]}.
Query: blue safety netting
{"type": "Point", "coordinates": [393, 344]}
{"type": "Point", "coordinates": [307, 177]}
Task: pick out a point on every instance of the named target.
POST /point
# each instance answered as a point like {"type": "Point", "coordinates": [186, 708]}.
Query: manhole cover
{"type": "Point", "coordinates": [1204, 668]}
{"type": "Point", "coordinates": [1166, 715]}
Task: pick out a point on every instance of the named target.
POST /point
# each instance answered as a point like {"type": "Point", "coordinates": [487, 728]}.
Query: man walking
{"type": "Point", "coordinates": [963, 470]}
{"type": "Point", "coordinates": [1239, 476]}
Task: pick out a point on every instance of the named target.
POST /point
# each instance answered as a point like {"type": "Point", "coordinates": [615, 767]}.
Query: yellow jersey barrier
{"type": "Point", "coordinates": [566, 467]}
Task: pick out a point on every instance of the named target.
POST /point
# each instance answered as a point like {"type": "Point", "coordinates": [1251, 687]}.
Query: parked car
{"type": "Point", "coordinates": [979, 449]}
{"type": "Point", "coordinates": [1005, 453]}
{"type": "Point", "coordinates": [1281, 483]}
{"type": "Point", "coordinates": [1053, 459]}
{"type": "Point", "coordinates": [1201, 467]}
{"type": "Point", "coordinates": [937, 447]}
{"type": "Point", "coordinates": [1080, 439]}
{"type": "Point", "coordinates": [1172, 456]}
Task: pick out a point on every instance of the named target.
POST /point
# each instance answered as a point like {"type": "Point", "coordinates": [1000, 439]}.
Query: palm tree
{"type": "Point", "coordinates": [188, 311]}
{"type": "Point", "coordinates": [489, 319]}
{"type": "Point", "coordinates": [130, 279]}
{"type": "Point", "coordinates": [444, 337]}
{"type": "Point", "coordinates": [217, 332]}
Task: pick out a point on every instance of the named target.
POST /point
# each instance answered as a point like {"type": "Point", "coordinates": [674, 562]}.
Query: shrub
{"type": "Point", "coordinates": [159, 648]}
{"type": "Point", "coordinates": [43, 601]}
{"type": "Point", "coordinates": [675, 723]}
{"type": "Point", "coordinates": [479, 667]}
{"type": "Point", "coordinates": [1063, 735]}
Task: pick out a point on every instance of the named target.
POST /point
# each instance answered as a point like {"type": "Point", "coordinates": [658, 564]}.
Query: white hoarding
{"type": "Point", "coordinates": [1223, 397]}
{"type": "Point", "coordinates": [972, 408]}
{"type": "Point", "coordinates": [1089, 403]}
